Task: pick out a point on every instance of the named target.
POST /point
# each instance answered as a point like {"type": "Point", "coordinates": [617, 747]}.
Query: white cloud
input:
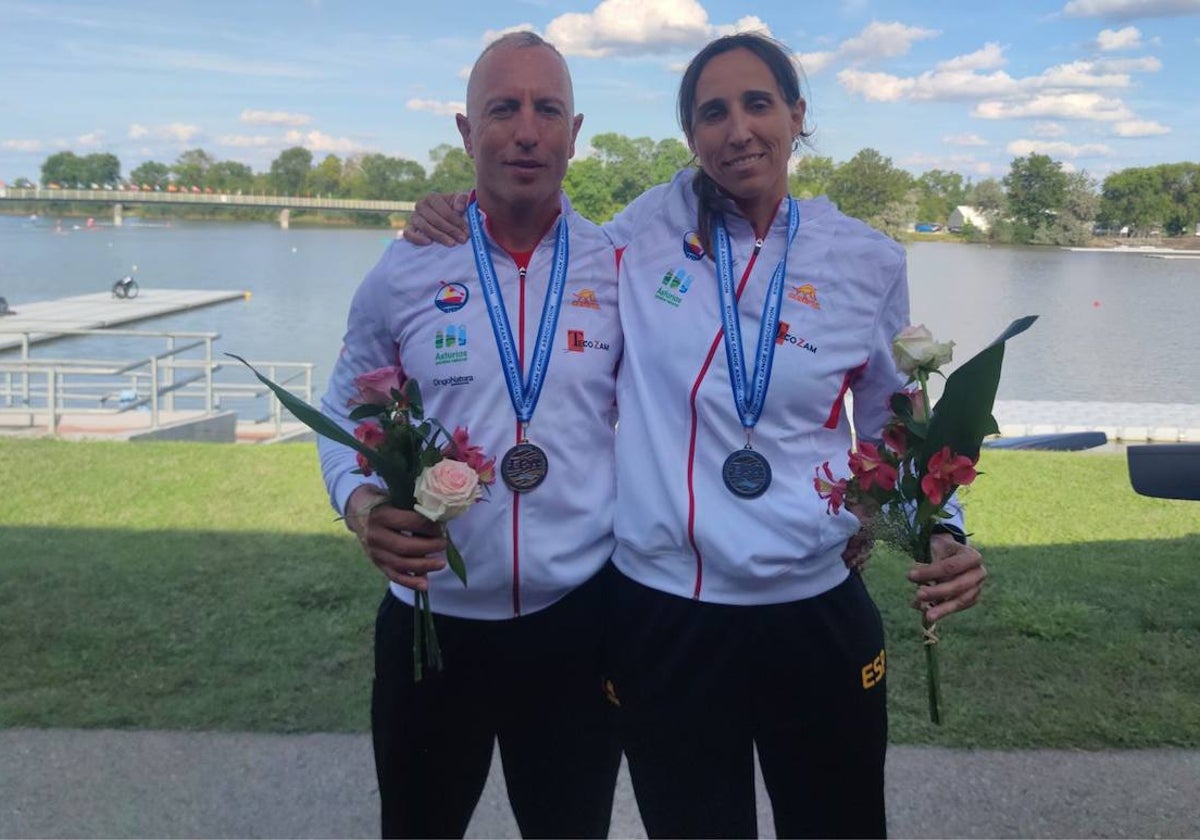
{"type": "Point", "coordinates": [253, 117]}
{"type": "Point", "coordinates": [1145, 64]}
{"type": "Point", "coordinates": [878, 39]}
{"type": "Point", "coordinates": [932, 85]}
{"type": "Point", "coordinates": [175, 132]}
{"type": "Point", "coordinates": [815, 62]}
{"type": "Point", "coordinates": [1057, 149]}
{"type": "Point", "coordinates": [640, 27]}
{"type": "Point", "coordinates": [442, 109]}
{"type": "Point", "coordinates": [955, 163]}
{"type": "Point", "coordinates": [495, 34]}
{"type": "Point", "coordinates": [1129, 38]}
{"type": "Point", "coordinates": [883, 40]}
{"type": "Point", "coordinates": [1130, 9]}
{"type": "Point", "coordinates": [967, 139]}
{"type": "Point", "coordinates": [1139, 128]}
{"type": "Point", "coordinates": [1064, 106]}
{"type": "Point", "coordinates": [987, 57]}
{"type": "Point", "coordinates": [22, 145]}
{"type": "Point", "coordinates": [464, 73]}
{"type": "Point", "coordinates": [90, 140]}
{"type": "Point", "coordinates": [1078, 74]}
{"type": "Point", "coordinates": [317, 141]}
{"type": "Point", "coordinates": [244, 141]}
{"type": "Point", "coordinates": [1049, 129]}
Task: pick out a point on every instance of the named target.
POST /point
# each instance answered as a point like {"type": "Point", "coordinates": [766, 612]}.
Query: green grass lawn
{"type": "Point", "coordinates": [205, 586]}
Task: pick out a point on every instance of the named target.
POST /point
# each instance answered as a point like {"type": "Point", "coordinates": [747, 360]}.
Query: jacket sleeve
{"type": "Point", "coordinates": [368, 344]}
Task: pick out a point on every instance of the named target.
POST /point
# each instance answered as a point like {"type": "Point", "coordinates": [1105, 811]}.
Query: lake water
{"type": "Point", "coordinates": [1112, 328]}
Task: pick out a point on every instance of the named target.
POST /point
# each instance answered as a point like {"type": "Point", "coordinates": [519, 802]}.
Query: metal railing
{"type": "Point", "coordinates": [219, 199]}
{"type": "Point", "coordinates": [183, 377]}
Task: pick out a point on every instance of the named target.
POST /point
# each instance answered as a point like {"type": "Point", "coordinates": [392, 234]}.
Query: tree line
{"type": "Point", "coordinates": [1037, 202]}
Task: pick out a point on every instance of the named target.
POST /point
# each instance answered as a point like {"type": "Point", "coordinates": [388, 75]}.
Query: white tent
{"type": "Point", "coordinates": [963, 214]}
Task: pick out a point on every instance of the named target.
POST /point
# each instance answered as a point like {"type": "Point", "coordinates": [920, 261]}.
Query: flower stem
{"type": "Point", "coordinates": [932, 680]}
{"type": "Point", "coordinates": [418, 644]}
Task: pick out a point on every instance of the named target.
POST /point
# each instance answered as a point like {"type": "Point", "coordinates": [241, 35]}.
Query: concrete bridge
{"type": "Point", "coordinates": [119, 198]}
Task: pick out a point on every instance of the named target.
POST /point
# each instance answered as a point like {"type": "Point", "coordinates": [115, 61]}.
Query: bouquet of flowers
{"type": "Point", "coordinates": [903, 485]}
{"type": "Point", "coordinates": [395, 441]}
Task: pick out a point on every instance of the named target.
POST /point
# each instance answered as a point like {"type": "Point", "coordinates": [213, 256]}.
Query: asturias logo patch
{"type": "Point", "coordinates": [692, 249]}
{"type": "Point", "coordinates": [450, 343]}
{"type": "Point", "coordinates": [451, 297]}
{"type": "Point", "coordinates": [673, 287]}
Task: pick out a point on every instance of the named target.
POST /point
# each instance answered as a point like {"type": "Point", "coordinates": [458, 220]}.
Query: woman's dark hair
{"type": "Point", "coordinates": [779, 60]}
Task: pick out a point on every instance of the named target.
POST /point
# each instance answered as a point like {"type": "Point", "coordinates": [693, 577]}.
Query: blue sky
{"type": "Point", "coordinates": [1098, 84]}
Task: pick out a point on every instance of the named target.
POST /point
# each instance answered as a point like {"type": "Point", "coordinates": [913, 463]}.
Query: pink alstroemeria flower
{"type": "Point", "coordinates": [945, 472]}
{"type": "Point", "coordinates": [834, 491]}
{"type": "Point", "coordinates": [461, 449]}
{"type": "Point", "coordinates": [375, 387]}
{"type": "Point", "coordinates": [870, 468]}
{"type": "Point", "coordinates": [372, 435]}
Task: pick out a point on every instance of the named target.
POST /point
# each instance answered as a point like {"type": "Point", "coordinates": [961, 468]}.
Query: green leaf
{"type": "Point", "coordinates": [962, 418]}
{"type": "Point", "coordinates": [368, 410]}
{"type": "Point", "coordinates": [412, 391]}
{"type": "Point", "coordinates": [454, 559]}
{"type": "Point", "coordinates": [315, 420]}
{"type": "Point", "coordinates": [429, 457]}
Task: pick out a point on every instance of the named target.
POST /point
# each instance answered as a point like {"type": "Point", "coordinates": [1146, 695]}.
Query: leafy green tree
{"type": "Point", "coordinates": [191, 168]}
{"type": "Point", "coordinates": [326, 177]}
{"type": "Point", "coordinates": [151, 173]}
{"type": "Point", "coordinates": [23, 183]}
{"type": "Point", "coordinates": [988, 198]}
{"type": "Point", "coordinates": [587, 185]}
{"type": "Point", "coordinates": [453, 169]}
{"type": "Point", "coordinates": [867, 183]}
{"type": "Point", "coordinates": [62, 168]}
{"type": "Point", "coordinates": [669, 157]}
{"type": "Point", "coordinates": [100, 168]}
{"type": "Point", "coordinates": [1037, 190]}
{"type": "Point", "coordinates": [939, 192]}
{"type": "Point", "coordinates": [376, 176]}
{"type": "Point", "coordinates": [811, 176]}
{"type": "Point", "coordinates": [229, 176]}
{"type": "Point", "coordinates": [1133, 198]}
{"type": "Point", "coordinates": [289, 171]}
{"type": "Point", "coordinates": [1073, 223]}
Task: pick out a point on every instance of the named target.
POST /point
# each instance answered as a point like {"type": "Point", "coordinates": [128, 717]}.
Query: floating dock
{"type": "Point", "coordinates": [45, 320]}
{"type": "Point", "coordinates": [1124, 422]}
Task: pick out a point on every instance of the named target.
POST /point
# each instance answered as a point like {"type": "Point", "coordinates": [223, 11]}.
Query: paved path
{"type": "Point", "coordinates": [70, 783]}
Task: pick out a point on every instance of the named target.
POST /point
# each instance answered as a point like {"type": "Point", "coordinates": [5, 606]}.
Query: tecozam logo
{"type": "Point", "coordinates": [576, 343]}
{"type": "Point", "coordinates": [692, 249]}
{"type": "Point", "coordinates": [673, 287]}
{"type": "Point", "coordinates": [806, 294]}
{"type": "Point", "coordinates": [451, 297]}
{"type": "Point", "coordinates": [449, 343]}
{"type": "Point", "coordinates": [784, 336]}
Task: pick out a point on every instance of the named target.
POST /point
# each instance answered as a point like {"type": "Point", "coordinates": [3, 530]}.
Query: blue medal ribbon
{"type": "Point", "coordinates": [524, 396]}
{"type": "Point", "coordinates": [750, 397]}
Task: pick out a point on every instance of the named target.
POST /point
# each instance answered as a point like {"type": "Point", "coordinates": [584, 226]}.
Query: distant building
{"type": "Point", "coordinates": [963, 214]}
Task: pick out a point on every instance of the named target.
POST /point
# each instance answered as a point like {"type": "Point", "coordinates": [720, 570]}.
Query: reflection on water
{"type": "Point", "coordinates": [1113, 327]}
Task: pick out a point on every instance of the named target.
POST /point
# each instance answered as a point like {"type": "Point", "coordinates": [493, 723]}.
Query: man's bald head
{"type": "Point", "coordinates": [514, 41]}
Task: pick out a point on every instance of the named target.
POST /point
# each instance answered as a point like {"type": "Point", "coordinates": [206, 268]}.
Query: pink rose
{"type": "Point", "coordinates": [372, 435]}
{"type": "Point", "coordinates": [446, 490]}
{"type": "Point", "coordinates": [375, 387]}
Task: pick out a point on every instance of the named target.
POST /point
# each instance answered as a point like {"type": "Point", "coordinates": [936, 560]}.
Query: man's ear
{"type": "Point", "coordinates": [575, 124]}
{"type": "Point", "coordinates": [464, 128]}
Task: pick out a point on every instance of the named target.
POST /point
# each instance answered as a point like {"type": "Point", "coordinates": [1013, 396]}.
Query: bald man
{"type": "Point", "coordinates": [515, 336]}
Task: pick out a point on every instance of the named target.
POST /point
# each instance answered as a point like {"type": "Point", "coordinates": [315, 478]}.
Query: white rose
{"type": "Point", "coordinates": [914, 349]}
{"type": "Point", "coordinates": [446, 490]}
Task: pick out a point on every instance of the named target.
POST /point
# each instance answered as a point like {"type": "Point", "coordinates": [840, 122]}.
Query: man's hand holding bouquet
{"type": "Point", "coordinates": [902, 486]}
{"type": "Point", "coordinates": [431, 476]}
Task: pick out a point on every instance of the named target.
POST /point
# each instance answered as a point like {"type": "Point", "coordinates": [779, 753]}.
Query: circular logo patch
{"type": "Point", "coordinates": [692, 249]}
{"type": "Point", "coordinates": [451, 297]}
